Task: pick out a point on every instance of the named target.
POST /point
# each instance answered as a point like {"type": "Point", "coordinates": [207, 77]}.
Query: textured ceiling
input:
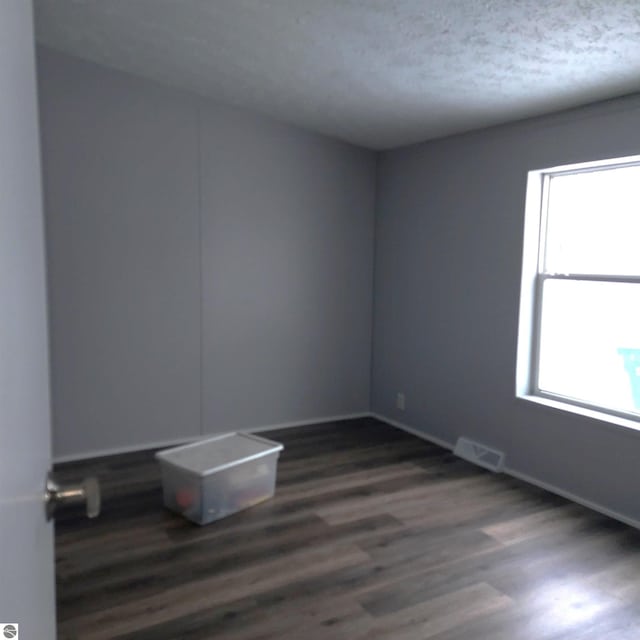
{"type": "Point", "coordinates": [379, 73]}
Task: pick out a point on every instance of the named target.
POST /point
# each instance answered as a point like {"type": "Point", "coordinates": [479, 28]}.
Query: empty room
{"type": "Point", "coordinates": [321, 319]}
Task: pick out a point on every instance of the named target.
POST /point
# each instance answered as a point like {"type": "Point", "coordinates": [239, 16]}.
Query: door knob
{"type": "Point", "coordinates": [87, 492]}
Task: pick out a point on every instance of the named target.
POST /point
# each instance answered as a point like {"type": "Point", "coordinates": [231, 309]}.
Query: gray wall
{"type": "Point", "coordinates": [287, 273]}
{"type": "Point", "coordinates": [448, 261]}
{"type": "Point", "coordinates": [188, 239]}
{"type": "Point", "coordinates": [121, 207]}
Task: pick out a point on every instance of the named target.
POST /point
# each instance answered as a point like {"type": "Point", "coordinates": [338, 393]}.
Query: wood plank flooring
{"type": "Point", "coordinates": [373, 533]}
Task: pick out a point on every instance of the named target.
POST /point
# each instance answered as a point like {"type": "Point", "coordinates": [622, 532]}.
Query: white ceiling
{"type": "Point", "coordinates": [378, 73]}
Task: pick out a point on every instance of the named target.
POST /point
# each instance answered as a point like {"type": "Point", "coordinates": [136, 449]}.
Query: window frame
{"type": "Point", "coordinates": [534, 276]}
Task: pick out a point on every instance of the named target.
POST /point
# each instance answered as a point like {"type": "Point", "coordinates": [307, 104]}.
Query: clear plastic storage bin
{"type": "Point", "coordinates": [213, 478]}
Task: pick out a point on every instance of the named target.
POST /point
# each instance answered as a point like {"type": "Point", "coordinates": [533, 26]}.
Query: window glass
{"type": "Point", "coordinates": [590, 342]}
{"type": "Point", "coordinates": [593, 222]}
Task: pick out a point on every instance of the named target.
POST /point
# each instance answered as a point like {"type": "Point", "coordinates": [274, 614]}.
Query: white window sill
{"type": "Point", "coordinates": [592, 414]}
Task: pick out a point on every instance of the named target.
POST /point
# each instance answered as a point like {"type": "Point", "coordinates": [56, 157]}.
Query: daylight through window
{"type": "Point", "coordinates": [584, 346]}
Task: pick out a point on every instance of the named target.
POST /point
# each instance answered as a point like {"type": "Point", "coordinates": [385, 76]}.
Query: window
{"type": "Point", "coordinates": [579, 340]}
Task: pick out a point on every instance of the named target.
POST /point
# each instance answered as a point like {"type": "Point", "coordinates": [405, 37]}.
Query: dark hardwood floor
{"type": "Point", "coordinates": [373, 533]}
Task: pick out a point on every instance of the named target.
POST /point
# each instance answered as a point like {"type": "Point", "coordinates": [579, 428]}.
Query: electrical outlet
{"type": "Point", "coordinates": [400, 401]}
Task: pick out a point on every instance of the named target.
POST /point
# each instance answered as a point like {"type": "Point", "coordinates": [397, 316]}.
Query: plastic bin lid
{"type": "Point", "coordinates": [218, 453]}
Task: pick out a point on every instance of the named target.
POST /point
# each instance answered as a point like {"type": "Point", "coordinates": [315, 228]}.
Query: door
{"type": "Point", "coordinates": [26, 538]}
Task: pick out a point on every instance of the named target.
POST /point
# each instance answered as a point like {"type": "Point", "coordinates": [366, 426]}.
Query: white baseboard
{"type": "Point", "coordinates": [306, 423]}
{"type": "Point", "coordinates": [520, 476]}
{"type": "Point", "coordinates": [573, 497]}
{"type": "Point", "coordinates": [101, 453]}
{"type": "Point", "coordinates": [414, 432]}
